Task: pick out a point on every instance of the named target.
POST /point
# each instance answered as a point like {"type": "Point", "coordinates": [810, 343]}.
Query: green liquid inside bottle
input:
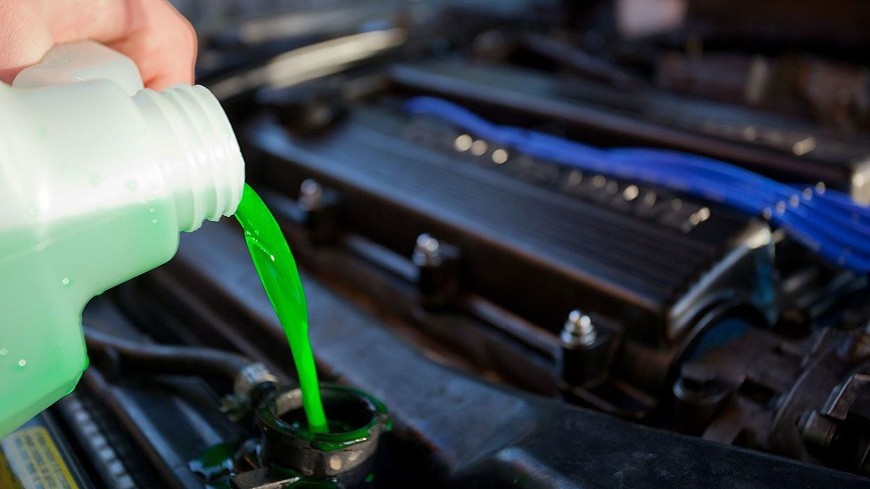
{"type": "Point", "coordinates": [280, 277]}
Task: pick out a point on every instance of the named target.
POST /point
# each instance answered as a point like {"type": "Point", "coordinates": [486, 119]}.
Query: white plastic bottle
{"type": "Point", "coordinates": [97, 178]}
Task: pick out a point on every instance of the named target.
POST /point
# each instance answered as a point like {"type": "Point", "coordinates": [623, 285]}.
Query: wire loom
{"type": "Point", "coordinates": [826, 221]}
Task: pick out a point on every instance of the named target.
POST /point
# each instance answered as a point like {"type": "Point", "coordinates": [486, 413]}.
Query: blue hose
{"type": "Point", "coordinates": [827, 222]}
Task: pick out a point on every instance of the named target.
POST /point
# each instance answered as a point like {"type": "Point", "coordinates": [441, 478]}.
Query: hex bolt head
{"type": "Point", "coordinates": [310, 195]}
{"type": "Point", "coordinates": [427, 251]}
{"type": "Point", "coordinates": [578, 330]}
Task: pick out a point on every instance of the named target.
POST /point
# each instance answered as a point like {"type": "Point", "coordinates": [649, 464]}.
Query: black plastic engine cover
{"type": "Point", "coordinates": [538, 247]}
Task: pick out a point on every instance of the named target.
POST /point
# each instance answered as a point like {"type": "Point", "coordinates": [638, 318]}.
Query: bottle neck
{"type": "Point", "coordinates": [200, 157]}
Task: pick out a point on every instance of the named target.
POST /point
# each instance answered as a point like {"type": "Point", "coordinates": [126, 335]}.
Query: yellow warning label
{"type": "Point", "coordinates": [7, 480]}
{"type": "Point", "coordinates": [30, 460]}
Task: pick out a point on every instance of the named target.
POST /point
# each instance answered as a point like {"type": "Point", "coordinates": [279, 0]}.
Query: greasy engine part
{"type": "Point", "coordinates": [767, 392]}
{"type": "Point", "coordinates": [658, 269]}
{"type": "Point", "coordinates": [786, 149]}
{"type": "Point", "coordinates": [838, 433]}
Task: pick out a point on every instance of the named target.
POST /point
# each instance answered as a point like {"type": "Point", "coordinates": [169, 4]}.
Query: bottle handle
{"type": "Point", "coordinates": [81, 61]}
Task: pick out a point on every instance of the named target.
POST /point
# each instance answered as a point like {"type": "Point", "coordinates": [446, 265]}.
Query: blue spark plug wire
{"type": "Point", "coordinates": [826, 221]}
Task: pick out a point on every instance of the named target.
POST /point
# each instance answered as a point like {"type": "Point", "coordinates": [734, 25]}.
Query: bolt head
{"type": "Point", "coordinates": [578, 330]}
{"type": "Point", "coordinates": [427, 251]}
{"type": "Point", "coordinates": [310, 194]}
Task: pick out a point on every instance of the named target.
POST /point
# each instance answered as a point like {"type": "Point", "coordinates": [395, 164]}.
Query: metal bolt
{"type": "Point", "coordinates": [697, 378]}
{"type": "Point", "coordinates": [578, 330]}
{"type": "Point", "coordinates": [816, 429]}
{"type": "Point", "coordinates": [251, 376]}
{"type": "Point", "coordinates": [310, 195]}
{"type": "Point", "coordinates": [427, 251]}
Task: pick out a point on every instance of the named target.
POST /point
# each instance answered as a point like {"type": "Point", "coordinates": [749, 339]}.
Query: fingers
{"type": "Point", "coordinates": [14, 57]}
{"type": "Point", "coordinates": [23, 38]}
{"type": "Point", "coordinates": [161, 42]}
{"type": "Point", "coordinates": [152, 33]}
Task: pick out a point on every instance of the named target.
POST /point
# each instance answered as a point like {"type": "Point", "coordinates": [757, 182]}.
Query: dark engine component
{"type": "Point", "coordinates": [784, 148]}
{"type": "Point", "coordinates": [476, 435]}
{"type": "Point", "coordinates": [652, 309]}
{"type": "Point", "coordinates": [763, 391]}
{"type": "Point", "coordinates": [656, 269]}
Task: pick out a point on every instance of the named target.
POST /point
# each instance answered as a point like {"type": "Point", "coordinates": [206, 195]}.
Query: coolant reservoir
{"type": "Point", "coordinates": [97, 178]}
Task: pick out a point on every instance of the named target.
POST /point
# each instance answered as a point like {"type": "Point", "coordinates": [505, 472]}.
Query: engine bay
{"type": "Point", "coordinates": [487, 315]}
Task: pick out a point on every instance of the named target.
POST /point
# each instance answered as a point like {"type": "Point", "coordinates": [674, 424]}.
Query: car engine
{"type": "Point", "coordinates": [493, 313]}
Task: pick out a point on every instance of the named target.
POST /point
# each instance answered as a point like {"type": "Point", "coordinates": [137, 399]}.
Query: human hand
{"type": "Point", "coordinates": [152, 33]}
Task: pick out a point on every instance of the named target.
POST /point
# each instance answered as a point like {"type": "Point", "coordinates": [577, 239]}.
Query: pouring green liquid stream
{"type": "Point", "coordinates": [280, 277]}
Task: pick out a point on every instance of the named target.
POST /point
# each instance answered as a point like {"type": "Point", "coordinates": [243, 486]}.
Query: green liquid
{"type": "Point", "coordinates": [280, 277]}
